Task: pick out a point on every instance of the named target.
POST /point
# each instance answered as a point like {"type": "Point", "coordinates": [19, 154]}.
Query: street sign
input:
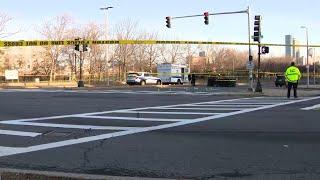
{"type": "Point", "coordinates": [250, 65]}
{"type": "Point", "coordinates": [265, 49]}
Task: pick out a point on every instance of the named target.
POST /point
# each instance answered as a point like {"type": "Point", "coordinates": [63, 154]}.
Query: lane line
{"type": "Point", "coordinates": [175, 113]}
{"type": "Point", "coordinates": [133, 118]}
{"type": "Point", "coordinates": [113, 111]}
{"type": "Point", "coordinates": [226, 105]}
{"type": "Point", "coordinates": [72, 126]}
{"type": "Point", "coordinates": [19, 133]}
{"type": "Point", "coordinates": [317, 106]}
{"type": "Point", "coordinates": [203, 109]}
{"type": "Point", "coordinates": [242, 103]}
{"type": "Point", "coordinates": [12, 151]}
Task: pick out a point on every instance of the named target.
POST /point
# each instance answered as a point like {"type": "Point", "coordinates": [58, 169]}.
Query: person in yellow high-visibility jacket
{"type": "Point", "coordinates": [293, 76]}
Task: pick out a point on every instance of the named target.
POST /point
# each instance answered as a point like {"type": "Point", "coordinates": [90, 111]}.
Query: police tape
{"type": "Point", "coordinates": [101, 42]}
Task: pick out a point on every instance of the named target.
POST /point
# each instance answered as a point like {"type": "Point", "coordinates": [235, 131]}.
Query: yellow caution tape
{"type": "Point", "coordinates": [99, 42]}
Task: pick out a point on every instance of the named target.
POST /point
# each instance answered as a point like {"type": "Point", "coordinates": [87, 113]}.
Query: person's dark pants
{"type": "Point", "coordinates": [295, 86]}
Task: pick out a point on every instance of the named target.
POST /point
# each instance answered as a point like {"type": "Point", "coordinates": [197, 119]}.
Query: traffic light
{"type": "Point", "coordinates": [85, 47]}
{"type": "Point", "coordinates": [206, 18]}
{"type": "Point", "coordinates": [168, 21]}
{"type": "Point", "coordinates": [265, 49]}
{"type": "Point", "coordinates": [257, 29]}
{"type": "Point", "coordinates": [76, 45]}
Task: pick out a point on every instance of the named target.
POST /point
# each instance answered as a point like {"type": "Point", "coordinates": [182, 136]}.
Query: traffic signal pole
{"type": "Point", "coordinates": [257, 37]}
{"type": "Point", "coordinates": [211, 14]}
{"type": "Point", "coordinates": [259, 87]}
{"type": "Point", "coordinates": [250, 59]}
{"type": "Point", "coordinates": [206, 15]}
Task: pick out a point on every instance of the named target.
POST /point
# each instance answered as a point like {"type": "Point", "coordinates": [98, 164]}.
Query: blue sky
{"type": "Point", "coordinates": [280, 17]}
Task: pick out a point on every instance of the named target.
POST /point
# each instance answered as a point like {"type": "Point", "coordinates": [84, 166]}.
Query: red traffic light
{"type": "Point", "coordinates": [168, 21]}
{"type": "Point", "coordinates": [206, 18]}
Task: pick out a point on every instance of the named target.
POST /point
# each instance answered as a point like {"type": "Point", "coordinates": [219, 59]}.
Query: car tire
{"type": "Point", "coordinates": [158, 82]}
{"type": "Point", "coordinates": [143, 83]}
{"type": "Point", "coordinates": [179, 82]}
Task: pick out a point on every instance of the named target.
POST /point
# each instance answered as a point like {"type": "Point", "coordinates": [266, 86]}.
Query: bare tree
{"type": "Point", "coordinates": [41, 62]}
{"type": "Point", "coordinates": [4, 21]}
{"type": "Point", "coordinates": [96, 61]}
{"type": "Point", "coordinates": [56, 29]}
{"type": "Point", "coordinates": [152, 53]}
{"type": "Point", "coordinates": [124, 52]}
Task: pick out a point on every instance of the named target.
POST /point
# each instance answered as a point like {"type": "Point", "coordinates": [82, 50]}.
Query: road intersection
{"type": "Point", "coordinates": [64, 131]}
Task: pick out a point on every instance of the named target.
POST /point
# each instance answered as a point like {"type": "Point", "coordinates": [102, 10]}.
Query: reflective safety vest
{"type": "Point", "coordinates": [292, 74]}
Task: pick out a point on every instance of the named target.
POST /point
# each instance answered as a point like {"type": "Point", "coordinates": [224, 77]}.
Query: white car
{"type": "Point", "coordinates": [142, 78]}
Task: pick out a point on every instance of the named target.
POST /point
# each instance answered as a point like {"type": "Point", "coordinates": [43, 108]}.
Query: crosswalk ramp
{"type": "Point", "coordinates": [58, 131]}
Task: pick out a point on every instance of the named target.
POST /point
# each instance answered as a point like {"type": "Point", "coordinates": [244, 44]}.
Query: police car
{"type": "Point", "coordinates": [142, 78]}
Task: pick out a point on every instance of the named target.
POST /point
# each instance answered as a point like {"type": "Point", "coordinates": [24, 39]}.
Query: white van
{"type": "Point", "coordinates": [173, 73]}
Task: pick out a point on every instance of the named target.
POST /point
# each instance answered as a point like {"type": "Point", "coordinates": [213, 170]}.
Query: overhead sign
{"type": "Point", "coordinates": [11, 74]}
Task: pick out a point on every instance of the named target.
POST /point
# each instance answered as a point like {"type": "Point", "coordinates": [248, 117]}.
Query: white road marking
{"type": "Point", "coordinates": [133, 118]}
{"type": "Point", "coordinates": [203, 109]}
{"type": "Point", "coordinates": [241, 103]}
{"type": "Point", "coordinates": [226, 105]}
{"type": "Point", "coordinates": [317, 106]}
{"type": "Point", "coordinates": [113, 111]}
{"type": "Point", "coordinates": [71, 126]}
{"type": "Point", "coordinates": [166, 112]}
{"type": "Point", "coordinates": [6, 151]}
{"type": "Point", "coordinates": [19, 133]}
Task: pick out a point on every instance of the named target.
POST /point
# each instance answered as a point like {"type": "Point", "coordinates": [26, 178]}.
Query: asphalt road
{"type": "Point", "coordinates": [160, 134]}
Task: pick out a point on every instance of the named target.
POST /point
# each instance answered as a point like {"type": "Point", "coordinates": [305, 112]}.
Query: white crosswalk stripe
{"type": "Point", "coordinates": [167, 116]}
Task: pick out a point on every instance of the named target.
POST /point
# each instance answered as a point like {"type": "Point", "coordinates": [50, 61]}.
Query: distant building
{"type": "Point", "coordinates": [296, 53]}
{"type": "Point", "coordinates": [288, 45]}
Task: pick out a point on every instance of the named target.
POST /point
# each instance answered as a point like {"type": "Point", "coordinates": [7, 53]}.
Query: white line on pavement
{"type": "Point", "coordinates": [19, 133]}
{"type": "Point", "coordinates": [71, 126]}
{"type": "Point", "coordinates": [112, 111]}
{"type": "Point", "coordinates": [166, 112]}
{"type": "Point", "coordinates": [317, 106]}
{"type": "Point", "coordinates": [203, 109]}
{"type": "Point", "coordinates": [227, 105]}
{"type": "Point", "coordinates": [11, 151]}
{"type": "Point", "coordinates": [240, 103]}
{"type": "Point", "coordinates": [132, 118]}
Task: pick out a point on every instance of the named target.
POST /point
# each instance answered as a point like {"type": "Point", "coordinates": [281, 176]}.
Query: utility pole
{"type": "Point", "coordinates": [250, 60]}
{"type": "Point", "coordinates": [107, 47]}
{"type": "Point", "coordinates": [308, 67]}
{"type": "Point", "coordinates": [81, 46]}
{"type": "Point", "coordinates": [257, 38]}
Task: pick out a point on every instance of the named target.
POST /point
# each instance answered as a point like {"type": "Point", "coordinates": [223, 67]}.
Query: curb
{"type": "Point", "coordinates": [21, 174]}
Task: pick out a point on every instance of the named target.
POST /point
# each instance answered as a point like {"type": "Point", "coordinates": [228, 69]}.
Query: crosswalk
{"type": "Point", "coordinates": [115, 123]}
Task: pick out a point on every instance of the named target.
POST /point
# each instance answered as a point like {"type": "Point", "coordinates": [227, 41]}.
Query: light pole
{"type": "Point", "coordinates": [107, 47]}
{"type": "Point", "coordinates": [250, 60]}
{"type": "Point", "coordinates": [307, 38]}
{"type": "Point", "coordinates": [314, 65]}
